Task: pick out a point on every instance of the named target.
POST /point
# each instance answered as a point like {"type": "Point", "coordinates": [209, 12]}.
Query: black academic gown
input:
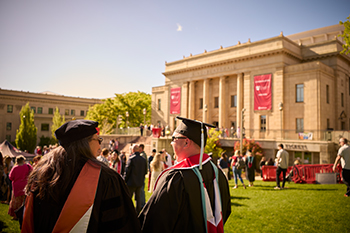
{"type": "Point", "coordinates": [113, 210]}
{"type": "Point", "coordinates": [176, 206]}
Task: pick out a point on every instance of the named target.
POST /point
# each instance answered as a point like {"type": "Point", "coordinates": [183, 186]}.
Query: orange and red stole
{"type": "Point", "coordinates": [76, 211]}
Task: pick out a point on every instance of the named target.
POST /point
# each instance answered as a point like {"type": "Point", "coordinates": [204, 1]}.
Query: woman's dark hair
{"type": "Point", "coordinates": [55, 170]}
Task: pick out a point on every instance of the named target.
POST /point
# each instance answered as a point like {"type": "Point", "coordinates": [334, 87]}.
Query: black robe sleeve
{"type": "Point", "coordinates": [113, 209]}
{"type": "Point", "coordinates": [161, 213]}
{"type": "Point", "coordinates": [176, 204]}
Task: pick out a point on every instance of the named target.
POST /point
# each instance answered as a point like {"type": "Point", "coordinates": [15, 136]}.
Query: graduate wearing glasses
{"type": "Point", "coordinates": [193, 195]}
{"type": "Point", "coordinates": [71, 191]}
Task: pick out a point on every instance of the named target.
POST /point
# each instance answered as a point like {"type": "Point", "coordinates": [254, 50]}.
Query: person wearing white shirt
{"type": "Point", "coordinates": [282, 158]}
{"type": "Point", "coordinates": [168, 159]}
{"type": "Point", "coordinates": [344, 157]}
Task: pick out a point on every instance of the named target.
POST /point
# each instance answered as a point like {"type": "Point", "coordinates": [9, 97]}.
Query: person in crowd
{"type": "Point", "coordinates": [134, 176]}
{"type": "Point", "coordinates": [167, 159]}
{"type": "Point", "coordinates": [270, 162]}
{"type": "Point", "coordinates": [103, 156]}
{"type": "Point", "coordinates": [123, 157]}
{"type": "Point", "coordinates": [250, 164]}
{"type": "Point", "coordinates": [151, 128]}
{"type": "Point", "coordinates": [45, 150]}
{"type": "Point", "coordinates": [156, 167]}
{"type": "Point", "coordinates": [163, 131]}
{"type": "Point", "coordinates": [290, 175]}
{"type": "Point", "coordinates": [116, 163]}
{"type": "Point", "coordinates": [223, 164]}
{"type": "Point", "coordinates": [3, 185]}
{"type": "Point", "coordinates": [261, 164]}
{"type": "Point", "coordinates": [150, 158]}
{"type": "Point", "coordinates": [344, 157]}
{"type": "Point", "coordinates": [237, 165]}
{"type": "Point", "coordinates": [143, 155]}
{"type": "Point", "coordinates": [141, 129]}
{"type": "Point", "coordinates": [111, 145]}
{"type": "Point", "coordinates": [70, 190]}
{"type": "Point", "coordinates": [18, 176]}
{"type": "Point", "coordinates": [178, 203]}
{"type": "Point", "coordinates": [282, 158]}
{"type": "Point", "coordinates": [145, 130]}
{"type": "Point", "coordinates": [116, 144]}
{"type": "Point", "coordinates": [8, 164]}
{"type": "Point", "coordinates": [37, 150]}
{"type": "Point", "coordinates": [36, 159]}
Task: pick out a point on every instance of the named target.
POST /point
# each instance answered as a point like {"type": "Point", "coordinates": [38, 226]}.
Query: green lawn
{"type": "Point", "coordinates": [299, 208]}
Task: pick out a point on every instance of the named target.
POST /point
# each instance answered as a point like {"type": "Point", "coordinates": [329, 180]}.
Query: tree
{"type": "Point", "coordinates": [213, 144]}
{"type": "Point", "coordinates": [57, 121]}
{"type": "Point", "coordinates": [26, 134]}
{"type": "Point", "coordinates": [346, 36]}
{"type": "Point", "coordinates": [106, 113]}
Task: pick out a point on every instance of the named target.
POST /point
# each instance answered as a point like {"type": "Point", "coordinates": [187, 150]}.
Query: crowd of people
{"type": "Point", "coordinates": [77, 185]}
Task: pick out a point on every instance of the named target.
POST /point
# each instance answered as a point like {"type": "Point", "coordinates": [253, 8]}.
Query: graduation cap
{"type": "Point", "coordinates": [75, 130]}
{"type": "Point", "coordinates": [194, 130]}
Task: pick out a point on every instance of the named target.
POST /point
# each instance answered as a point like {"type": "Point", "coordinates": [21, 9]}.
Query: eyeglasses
{"type": "Point", "coordinates": [173, 138]}
{"type": "Point", "coordinates": [100, 140]}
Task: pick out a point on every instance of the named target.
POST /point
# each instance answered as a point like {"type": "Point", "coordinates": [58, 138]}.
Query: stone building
{"type": "Point", "coordinates": [44, 105]}
{"type": "Point", "coordinates": [293, 90]}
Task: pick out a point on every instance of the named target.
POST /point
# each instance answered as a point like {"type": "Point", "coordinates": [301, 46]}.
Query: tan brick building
{"type": "Point", "coordinates": [309, 92]}
{"type": "Point", "coordinates": [44, 105]}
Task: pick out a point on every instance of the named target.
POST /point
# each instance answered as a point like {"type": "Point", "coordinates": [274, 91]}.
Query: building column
{"type": "Point", "coordinates": [206, 100]}
{"type": "Point", "coordinates": [191, 100]}
{"type": "Point", "coordinates": [184, 100]}
{"type": "Point", "coordinates": [222, 102]}
{"type": "Point", "coordinates": [239, 98]}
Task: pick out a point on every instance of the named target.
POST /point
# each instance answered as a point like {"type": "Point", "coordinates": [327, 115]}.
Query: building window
{"type": "Point", "coordinates": [8, 126]}
{"type": "Point", "coordinates": [327, 93]}
{"type": "Point", "coordinates": [233, 101]}
{"type": "Point", "coordinates": [50, 110]}
{"type": "Point", "coordinates": [200, 103]}
{"type": "Point", "coordinates": [33, 108]}
{"type": "Point", "coordinates": [328, 124]}
{"type": "Point", "coordinates": [159, 104]}
{"type": "Point", "coordinates": [40, 110]}
{"type": "Point", "coordinates": [263, 123]}
{"type": "Point", "coordinates": [66, 112]}
{"type": "Point", "coordinates": [9, 108]}
{"type": "Point", "coordinates": [342, 99]}
{"type": "Point", "coordinates": [81, 112]}
{"type": "Point", "coordinates": [8, 138]}
{"type": "Point", "coordinates": [300, 125]}
{"type": "Point", "coordinates": [216, 102]}
{"type": "Point", "coordinates": [72, 112]}
{"type": "Point", "coordinates": [342, 125]}
{"type": "Point", "coordinates": [300, 93]}
{"type": "Point", "coordinates": [45, 127]}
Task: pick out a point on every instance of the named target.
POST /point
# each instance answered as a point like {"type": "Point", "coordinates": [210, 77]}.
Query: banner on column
{"type": "Point", "coordinates": [262, 92]}
{"type": "Point", "coordinates": [175, 100]}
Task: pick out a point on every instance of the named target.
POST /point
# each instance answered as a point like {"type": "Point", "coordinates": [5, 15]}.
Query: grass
{"type": "Point", "coordinates": [6, 224]}
{"type": "Point", "coordinates": [299, 208]}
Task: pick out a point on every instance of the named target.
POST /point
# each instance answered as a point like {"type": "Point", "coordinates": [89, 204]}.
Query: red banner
{"type": "Point", "coordinates": [262, 92]}
{"type": "Point", "coordinates": [175, 100]}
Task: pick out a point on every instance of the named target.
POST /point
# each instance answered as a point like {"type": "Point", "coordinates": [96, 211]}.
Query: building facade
{"type": "Point", "coordinates": [293, 90]}
{"type": "Point", "coordinates": [44, 106]}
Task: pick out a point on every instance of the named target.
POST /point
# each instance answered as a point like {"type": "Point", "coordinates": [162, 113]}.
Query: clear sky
{"type": "Point", "coordinates": [96, 48]}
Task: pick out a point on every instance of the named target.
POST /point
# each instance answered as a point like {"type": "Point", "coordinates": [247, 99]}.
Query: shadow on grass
{"type": "Point", "coordinates": [271, 188]}
{"type": "Point", "coordinates": [238, 198]}
{"type": "Point", "coordinates": [2, 226]}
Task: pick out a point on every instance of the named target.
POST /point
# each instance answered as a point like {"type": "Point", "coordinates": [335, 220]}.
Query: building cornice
{"type": "Point", "coordinates": [45, 98]}
{"type": "Point", "coordinates": [279, 49]}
